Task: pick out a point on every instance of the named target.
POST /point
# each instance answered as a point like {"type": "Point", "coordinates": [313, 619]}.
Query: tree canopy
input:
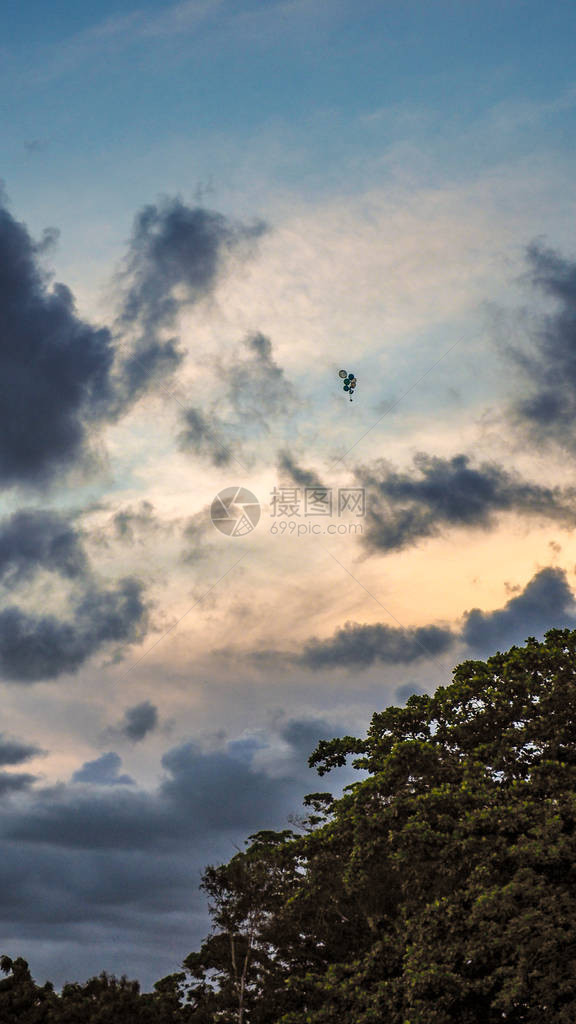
{"type": "Point", "coordinates": [438, 889]}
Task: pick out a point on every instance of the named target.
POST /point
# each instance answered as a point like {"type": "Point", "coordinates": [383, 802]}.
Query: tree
{"type": "Point", "coordinates": [21, 999]}
{"type": "Point", "coordinates": [101, 1000]}
{"type": "Point", "coordinates": [109, 1000]}
{"type": "Point", "coordinates": [236, 970]}
{"type": "Point", "coordinates": [439, 888]}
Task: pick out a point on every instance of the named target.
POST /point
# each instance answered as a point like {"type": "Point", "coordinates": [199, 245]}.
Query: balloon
{"type": "Point", "coordinates": [349, 382]}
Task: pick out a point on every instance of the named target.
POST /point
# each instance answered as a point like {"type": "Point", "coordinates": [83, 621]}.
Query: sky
{"type": "Point", "coordinates": [208, 209]}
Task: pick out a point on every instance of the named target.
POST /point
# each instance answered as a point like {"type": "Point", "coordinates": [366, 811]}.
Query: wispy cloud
{"type": "Point", "coordinates": [116, 34]}
{"type": "Point", "coordinates": [548, 363]}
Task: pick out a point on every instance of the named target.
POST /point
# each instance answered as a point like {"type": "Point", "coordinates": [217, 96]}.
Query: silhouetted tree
{"type": "Point", "coordinates": [21, 999]}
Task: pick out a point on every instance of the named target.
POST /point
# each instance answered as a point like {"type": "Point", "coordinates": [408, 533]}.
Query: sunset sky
{"type": "Point", "coordinates": [208, 209]}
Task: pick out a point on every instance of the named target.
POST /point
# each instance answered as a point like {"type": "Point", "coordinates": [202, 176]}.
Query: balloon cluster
{"type": "Point", "coordinates": [349, 381]}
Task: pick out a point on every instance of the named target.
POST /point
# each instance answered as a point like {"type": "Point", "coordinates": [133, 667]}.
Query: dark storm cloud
{"type": "Point", "coordinates": [405, 507]}
{"type": "Point", "coordinates": [31, 540]}
{"type": "Point", "coordinates": [103, 772]}
{"type": "Point", "coordinates": [54, 367]}
{"type": "Point", "coordinates": [201, 792]}
{"type": "Point", "coordinates": [549, 410]}
{"type": "Point", "coordinates": [16, 751]}
{"type": "Point", "coordinates": [12, 782]}
{"type": "Point", "coordinates": [139, 720]}
{"type": "Point", "coordinates": [176, 247]}
{"type": "Point", "coordinates": [545, 602]}
{"type": "Point", "coordinates": [221, 790]}
{"type": "Point", "coordinates": [35, 646]}
{"type": "Point", "coordinates": [81, 862]}
{"type": "Point", "coordinates": [304, 734]}
{"type": "Point", "coordinates": [60, 377]}
{"type": "Point", "coordinates": [363, 645]}
{"type": "Point", "coordinates": [38, 645]}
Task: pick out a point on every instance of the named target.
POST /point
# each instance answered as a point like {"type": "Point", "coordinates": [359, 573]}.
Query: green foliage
{"type": "Point", "coordinates": [20, 998]}
{"type": "Point", "coordinates": [101, 1000]}
{"type": "Point", "coordinates": [441, 887]}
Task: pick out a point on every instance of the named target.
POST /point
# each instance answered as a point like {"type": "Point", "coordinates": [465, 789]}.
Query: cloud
{"type": "Point", "coordinates": [128, 522]}
{"type": "Point", "coordinates": [176, 256]}
{"type": "Point", "coordinates": [103, 772]}
{"type": "Point", "coordinates": [548, 412]}
{"type": "Point", "coordinates": [201, 790]}
{"type": "Point", "coordinates": [363, 645]}
{"type": "Point", "coordinates": [176, 247]}
{"type": "Point", "coordinates": [255, 391]}
{"type": "Point", "coordinates": [149, 361]}
{"type": "Point", "coordinates": [301, 477]}
{"type": "Point", "coordinates": [257, 386]}
{"type": "Point", "coordinates": [61, 377]}
{"type": "Point", "coordinates": [406, 690]}
{"type": "Point", "coordinates": [16, 751]}
{"type": "Point", "coordinates": [439, 493]}
{"type": "Point", "coordinates": [55, 368]}
{"type": "Point", "coordinates": [130, 526]}
{"type": "Point", "coordinates": [545, 602]}
{"type": "Point", "coordinates": [13, 782]}
{"type": "Point", "coordinates": [304, 734]}
{"type": "Point", "coordinates": [220, 789]}
{"type": "Point", "coordinates": [79, 860]}
{"type": "Point", "coordinates": [139, 720]}
{"type": "Point", "coordinates": [82, 376]}
{"type": "Point", "coordinates": [203, 434]}
{"type": "Point", "coordinates": [36, 645]}
{"type": "Point", "coordinates": [116, 34]}
{"type": "Point", "coordinates": [33, 539]}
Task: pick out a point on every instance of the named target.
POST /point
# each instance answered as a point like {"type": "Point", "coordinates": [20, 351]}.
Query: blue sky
{"type": "Point", "coordinates": [243, 199]}
{"type": "Point", "coordinates": [98, 92]}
